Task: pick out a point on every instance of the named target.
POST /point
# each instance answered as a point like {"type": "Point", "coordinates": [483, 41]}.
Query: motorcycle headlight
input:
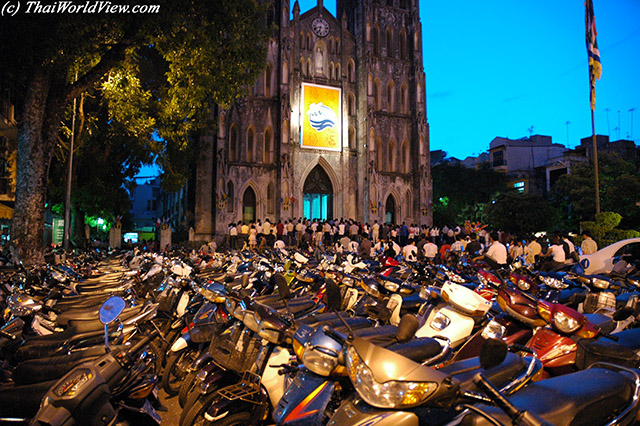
{"type": "Point", "coordinates": [523, 285]}
{"type": "Point", "coordinates": [391, 286]}
{"type": "Point", "coordinates": [391, 394]}
{"type": "Point", "coordinates": [440, 321]}
{"type": "Point", "coordinates": [74, 383]}
{"type": "Point", "coordinates": [320, 360]}
{"type": "Point", "coordinates": [554, 283]}
{"type": "Point", "coordinates": [564, 323]}
{"type": "Point", "coordinates": [493, 330]}
{"type": "Point", "coordinates": [600, 283]}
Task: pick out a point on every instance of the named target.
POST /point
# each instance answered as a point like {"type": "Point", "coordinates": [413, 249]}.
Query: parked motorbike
{"type": "Point", "coordinates": [114, 389]}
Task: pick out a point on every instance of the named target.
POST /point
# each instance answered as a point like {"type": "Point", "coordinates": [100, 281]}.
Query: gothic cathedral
{"type": "Point", "coordinates": [336, 126]}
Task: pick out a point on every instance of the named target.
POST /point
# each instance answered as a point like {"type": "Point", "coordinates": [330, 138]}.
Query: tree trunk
{"type": "Point", "coordinates": [37, 134]}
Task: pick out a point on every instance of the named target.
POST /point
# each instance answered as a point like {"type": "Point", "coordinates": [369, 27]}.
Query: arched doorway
{"type": "Point", "coordinates": [249, 206]}
{"type": "Point", "coordinates": [390, 210]}
{"type": "Point", "coordinates": [317, 195]}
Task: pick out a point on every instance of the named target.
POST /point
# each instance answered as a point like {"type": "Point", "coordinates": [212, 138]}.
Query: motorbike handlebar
{"type": "Point", "coordinates": [609, 336]}
{"type": "Point", "coordinates": [519, 417]}
{"type": "Point", "coordinates": [521, 348]}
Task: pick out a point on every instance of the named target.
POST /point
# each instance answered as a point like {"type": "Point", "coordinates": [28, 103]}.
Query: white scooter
{"type": "Point", "coordinates": [457, 316]}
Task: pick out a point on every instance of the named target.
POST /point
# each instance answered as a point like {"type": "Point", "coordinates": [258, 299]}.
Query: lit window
{"type": "Point", "coordinates": [519, 186]}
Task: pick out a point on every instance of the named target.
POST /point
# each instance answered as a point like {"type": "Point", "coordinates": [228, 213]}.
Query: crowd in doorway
{"type": "Point", "coordinates": [412, 241]}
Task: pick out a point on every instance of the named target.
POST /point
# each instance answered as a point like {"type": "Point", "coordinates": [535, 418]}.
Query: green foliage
{"type": "Point", "coordinates": [466, 192]}
{"type": "Point", "coordinates": [604, 230]}
{"type": "Point", "coordinates": [619, 188]}
{"type": "Point", "coordinates": [608, 220]}
{"type": "Point", "coordinates": [521, 214]}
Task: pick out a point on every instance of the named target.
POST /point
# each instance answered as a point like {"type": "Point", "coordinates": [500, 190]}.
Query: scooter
{"type": "Point", "coordinates": [113, 389]}
{"type": "Point", "coordinates": [392, 390]}
{"type": "Point", "coordinates": [604, 394]}
{"type": "Point", "coordinates": [455, 319]}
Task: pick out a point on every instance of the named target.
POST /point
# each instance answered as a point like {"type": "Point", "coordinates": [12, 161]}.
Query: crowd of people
{"type": "Point", "coordinates": [412, 241]}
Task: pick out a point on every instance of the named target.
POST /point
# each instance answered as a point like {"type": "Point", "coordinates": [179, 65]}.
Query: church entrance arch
{"type": "Point", "coordinates": [390, 210]}
{"type": "Point", "coordinates": [317, 195]}
{"type": "Point", "coordinates": [249, 205]}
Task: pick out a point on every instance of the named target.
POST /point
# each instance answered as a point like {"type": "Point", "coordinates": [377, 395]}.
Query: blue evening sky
{"type": "Point", "coordinates": [498, 67]}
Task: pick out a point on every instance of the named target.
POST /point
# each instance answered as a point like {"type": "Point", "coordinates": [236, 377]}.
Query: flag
{"type": "Point", "coordinates": [595, 67]}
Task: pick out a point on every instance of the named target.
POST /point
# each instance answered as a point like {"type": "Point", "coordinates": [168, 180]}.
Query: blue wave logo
{"type": "Point", "coordinates": [321, 117]}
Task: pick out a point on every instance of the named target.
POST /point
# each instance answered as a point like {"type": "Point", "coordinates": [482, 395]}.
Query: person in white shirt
{"type": "Point", "coordinates": [555, 253]}
{"type": "Point", "coordinates": [430, 249]}
{"type": "Point", "coordinates": [410, 251]}
{"type": "Point", "coordinates": [588, 245]}
{"type": "Point", "coordinates": [375, 232]}
{"type": "Point", "coordinates": [496, 255]}
{"type": "Point", "coordinates": [458, 246]}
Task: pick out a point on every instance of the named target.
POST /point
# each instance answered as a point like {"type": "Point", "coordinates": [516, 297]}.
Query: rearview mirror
{"type": "Point", "coordinates": [111, 309]}
{"type": "Point", "coordinates": [492, 354]}
{"type": "Point", "coordinates": [283, 287]}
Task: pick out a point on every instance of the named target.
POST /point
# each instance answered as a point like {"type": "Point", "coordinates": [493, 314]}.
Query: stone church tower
{"type": "Point", "coordinates": [335, 127]}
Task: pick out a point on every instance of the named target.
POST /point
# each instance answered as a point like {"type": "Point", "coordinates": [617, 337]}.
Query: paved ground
{"type": "Point", "coordinates": [171, 417]}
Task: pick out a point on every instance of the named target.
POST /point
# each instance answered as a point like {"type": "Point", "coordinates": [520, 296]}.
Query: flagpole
{"type": "Point", "coordinates": [595, 162]}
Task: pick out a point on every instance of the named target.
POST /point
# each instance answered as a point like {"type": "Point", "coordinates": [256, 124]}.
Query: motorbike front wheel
{"type": "Point", "coordinates": [186, 387]}
{"type": "Point", "coordinates": [176, 369]}
{"type": "Point", "coordinates": [195, 415]}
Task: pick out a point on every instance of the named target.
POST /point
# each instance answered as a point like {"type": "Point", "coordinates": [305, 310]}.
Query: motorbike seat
{"type": "Point", "coordinates": [332, 320]}
{"type": "Point", "coordinates": [604, 322]}
{"type": "Point", "coordinates": [587, 397]}
{"type": "Point", "coordinates": [412, 302]}
{"type": "Point", "coordinates": [44, 346]}
{"type": "Point", "coordinates": [22, 401]}
{"type": "Point", "coordinates": [418, 349]}
{"type": "Point", "coordinates": [90, 314]}
{"type": "Point", "coordinates": [53, 367]}
{"type": "Point", "coordinates": [511, 367]}
{"type": "Point", "coordinates": [75, 302]}
{"type": "Point", "coordinates": [628, 338]}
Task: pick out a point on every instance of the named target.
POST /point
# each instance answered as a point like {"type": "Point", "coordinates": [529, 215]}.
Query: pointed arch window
{"type": "Point", "coordinates": [267, 81]}
{"type": "Point", "coordinates": [377, 101]}
{"type": "Point", "coordinates": [351, 70]}
{"type": "Point", "coordinates": [403, 45]}
{"type": "Point", "coordinates": [352, 104]}
{"type": "Point", "coordinates": [233, 142]}
{"type": "Point", "coordinates": [389, 43]}
{"type": "Point", "coordinates": [391, 157]}
{"type": "Point", "coordinates": [251, 143]}
{"type": "Point", "coordinates": [405, 157]}
{"type": "Point", "coordinates": [376, 41]}
{"type": "Point", "coordinates": [268, 146]}
{"type": "Point", "coordinates": [404, 99]}
{"type": "Point", "coordinates": [390, 96]}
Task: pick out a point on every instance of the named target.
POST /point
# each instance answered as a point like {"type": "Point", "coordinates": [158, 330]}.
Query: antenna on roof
{"type": "Point", "coordinates": [530, 129]}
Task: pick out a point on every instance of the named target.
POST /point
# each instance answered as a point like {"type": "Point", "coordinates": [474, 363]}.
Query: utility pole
{"type": "Point", "coordinates": [67, 199]}
{"type": "Point", "coordinates": [631, 111]}
{"type": "Point", "coordinates": [567, 123]}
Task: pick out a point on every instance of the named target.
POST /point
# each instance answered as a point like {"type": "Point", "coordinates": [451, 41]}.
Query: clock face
{"type": "Point", "coordinates": [320, 27]}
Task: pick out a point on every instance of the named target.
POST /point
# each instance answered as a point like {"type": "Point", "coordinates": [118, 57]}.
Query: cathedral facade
{"type": "Point", "coordinates": [335, 127]}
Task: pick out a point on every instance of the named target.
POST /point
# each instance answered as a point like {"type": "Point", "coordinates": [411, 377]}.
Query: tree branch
{"type": "Point", "coordinates": [113, 56]}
